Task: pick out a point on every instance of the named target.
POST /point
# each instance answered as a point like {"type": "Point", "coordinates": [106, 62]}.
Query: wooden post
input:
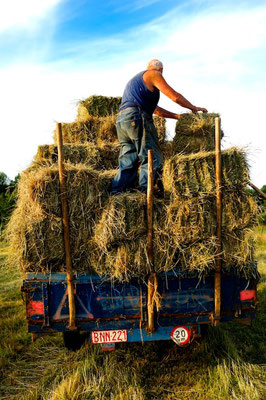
{"type": "Point", "coordinates": [263, 195]}
{"type": "Point", "coordinates": [218, 261]}
{"type": "Point", "coordinates": [63, 195]}
{"type": "Point", "coordinates": [152, 278]}
{"type": "Point", "coordinates": [150, 207]}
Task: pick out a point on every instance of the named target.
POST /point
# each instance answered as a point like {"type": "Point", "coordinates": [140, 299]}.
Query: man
{"type": "Point", "coordinates": [135, 129]}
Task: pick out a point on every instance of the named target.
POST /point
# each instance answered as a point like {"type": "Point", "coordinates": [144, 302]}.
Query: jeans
{"type": "Point", "coordinates": [136, 134]}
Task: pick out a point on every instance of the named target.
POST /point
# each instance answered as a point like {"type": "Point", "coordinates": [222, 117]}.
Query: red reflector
{"type": "Point", "coordinates": [35, 307]}
{"type": "Point", "coordinates": [247, 295]}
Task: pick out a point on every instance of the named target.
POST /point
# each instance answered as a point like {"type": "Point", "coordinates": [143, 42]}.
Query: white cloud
{"type": "Point", "coordinates": [26, 13]}
{"type": "Point", "coordinates": [224, 34]}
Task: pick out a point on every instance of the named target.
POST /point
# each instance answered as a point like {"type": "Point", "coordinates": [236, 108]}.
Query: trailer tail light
{"type": "Point", "coordinates": [247, 295]}
{"type": "Point", "coordinates": [35, 307]}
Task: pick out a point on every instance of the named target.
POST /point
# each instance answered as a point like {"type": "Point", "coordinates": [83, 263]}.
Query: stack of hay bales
{"type": "Point", "coordinates": [189, 183]}
{"type": "Point", "coordinates": [35, 229]}
{"type": "Point", "coordinates": [103, 157]}
{"type": "Point", "coordinates": [108, 234]}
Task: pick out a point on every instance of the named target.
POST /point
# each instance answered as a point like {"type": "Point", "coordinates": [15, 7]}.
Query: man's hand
{"type": "Point", "coordinates": [196, 109]}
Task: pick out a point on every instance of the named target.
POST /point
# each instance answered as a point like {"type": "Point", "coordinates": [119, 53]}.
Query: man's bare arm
{"type": "Point", "coordinates": [161, 112]}
{"type": "Point", "coordinates": [160, 83]}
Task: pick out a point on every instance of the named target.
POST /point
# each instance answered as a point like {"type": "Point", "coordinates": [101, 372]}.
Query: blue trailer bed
{"type": "Point", "coordinates": [105, 308]}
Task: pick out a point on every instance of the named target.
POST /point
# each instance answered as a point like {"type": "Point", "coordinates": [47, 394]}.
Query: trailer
{"type": "Point", "coordinates": [112, 312]}
{"type": "Point", "coordinates": [175, 305]}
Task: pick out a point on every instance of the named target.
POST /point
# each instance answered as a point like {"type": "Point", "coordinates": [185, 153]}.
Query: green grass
{"type": "Point", "coordinates": [227, 364]}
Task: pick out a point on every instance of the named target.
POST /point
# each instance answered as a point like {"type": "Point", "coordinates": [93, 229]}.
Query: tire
{"type": "Point", "coordinates": [73, 340]}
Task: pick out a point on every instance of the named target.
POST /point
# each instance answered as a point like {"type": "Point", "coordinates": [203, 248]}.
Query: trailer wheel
{"type": "Point", "coordinates": [73, 340]}
{"type": "Point", "coordinates": [204, 330]}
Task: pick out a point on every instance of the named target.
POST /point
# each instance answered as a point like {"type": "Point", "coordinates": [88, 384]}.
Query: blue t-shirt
{"type": "Point", "coordinates": [136, 93]}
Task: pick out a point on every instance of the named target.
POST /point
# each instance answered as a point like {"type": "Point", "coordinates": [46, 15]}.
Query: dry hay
{"type": "Point", "coordinates": [94, 129]}
{"type": "Point", "coordinates": [109, 234]}
{"type": "Point", "coordinates": [184, 235]}
{"type": "Point", "coordinates": [194, 133]}
{"type": "Point", "coordinates": [128, 259]}
{"type": "Point", "coordinates": [194, 174]}
{"type": "Point", "coordinates": [35, 228]}
{"type": "Point", "coordinates": [193, 219]}
{"type": "Point", "coordinates": [160, 125]}
{"type": "Point", "coordinates": [79, 132]}
{"type": "Point", "coordinates": [101, 129]}
{"type": "Point", "coordinates": [237, 253]}
{"type": "Point", "coordinates": [101, 106]}
{"type": "Point", "coordinates": [107, 129]}
{"type": "Point", "coordinates": [167, 149]}
{"type": "Point", "coordinates": [104, 156]}
{"type": "Point", "coordinates": [123, 218]}
{"type": "Point", "coordinates": [97, 106]}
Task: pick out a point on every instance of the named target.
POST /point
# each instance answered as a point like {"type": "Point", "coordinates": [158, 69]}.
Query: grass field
{"type": "Point", "coordinates": [229, 363]}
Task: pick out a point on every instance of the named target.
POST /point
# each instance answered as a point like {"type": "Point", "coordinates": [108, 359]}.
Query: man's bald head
{"type": "Point", "coordinates": [155, 64]}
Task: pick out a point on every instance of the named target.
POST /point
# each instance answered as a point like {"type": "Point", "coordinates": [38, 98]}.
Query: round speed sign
{"type": "Point", "coordinates": [180, 335]}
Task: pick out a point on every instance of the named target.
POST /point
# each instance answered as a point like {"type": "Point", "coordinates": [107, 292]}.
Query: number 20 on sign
{"type": "Point", "coordinates": [180, 335]}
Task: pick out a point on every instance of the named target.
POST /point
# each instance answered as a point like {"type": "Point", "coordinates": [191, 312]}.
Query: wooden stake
{"type": "Point", "coordinates": [152, 289]}
{"type": "Point", "coordinates": [63, 195]}
{"type": "Point", "coordinates": [150, 208]}
{"type": "Point", "coordinates": [152, 278]}
{"type": "Point", "coordinates": [218, 261]}
{"type": "Point", "coordinates": [263, 195]}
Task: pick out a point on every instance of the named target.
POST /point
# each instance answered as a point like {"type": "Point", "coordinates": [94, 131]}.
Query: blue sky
{"type": "Point", "coordinates": [54, 52]}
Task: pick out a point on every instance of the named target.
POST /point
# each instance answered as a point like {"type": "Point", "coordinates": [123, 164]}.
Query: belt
{"type": "Point", "coordinates": [124, 109]}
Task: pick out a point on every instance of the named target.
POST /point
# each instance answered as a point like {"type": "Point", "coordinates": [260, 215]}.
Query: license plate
{"type": "Point", "coordinates": [114, 336]}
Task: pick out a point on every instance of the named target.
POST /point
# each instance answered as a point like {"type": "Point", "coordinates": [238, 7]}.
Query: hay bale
{"type": "Point", "coordinates": [94, 129]}
{"type": "Point", "coordinates": [75, 154]}
{"type": "Point", "coordinates": [184, 235]}
{"type": "Point", "coordinates": [193, 175]}
{"type": "Point", "coordinates": [108, 155]}
{"type": "Point", "coordinates": [123, 262]}
{"type": "Point", "coordinates": [199, 256]}
{"type": "Point", "coordinates": [120, 237]}
{"type": "Point", "coordinates": [101, 130]}
{"type": "Point", "coordinates": [193, 219]}
{"type": "Point", "coordinates": [123, 218]}
{"type": "Point", "coordinates": [79, 132]}
{"type": "Point", "coordinates": [97, 106]}
{"type": "Point", "coordinates": [237, 253]}
{"type": "Point", "coordinates": [129, 260]}
{"type": "Point", "coordinates": [107, 129]}
{"type": "Point", "coordinates": [97, 157]}
{"type": "Point", "coordinates": [190, 220]}
{"type": "Point", "coordinates": [238, 249]}
{"type": "Point", "coordinates": [35, 228]}
{"type": "Point", "coordinates": [194, 133]}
